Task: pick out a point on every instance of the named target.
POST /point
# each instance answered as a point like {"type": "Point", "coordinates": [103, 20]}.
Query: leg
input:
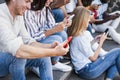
{"type": "Point", "coordinates": [63, 34]}
{"type": "Point", "coordinates": [95, 69]}
{"type": "Point", "coordinates": [55, 60]}
{"type": "Point", "coordinates": [58, 15]}
{"type": "Point", "coordinates": [12, 65]}
{"type": "Point", "coordinates": [115, 36]}
{"type": "Point", "coordinates": [89, 28]}
{"type": "Point", "coordinates": [102, 27]}
{"type": "Point", "coordinates": [112, 32]}
{"type": "Point", "coordinates": [111, 72]}
{"type": "Point", "coordinates": [44, 66]}
{"type": "Point", "coordinates": [51, 39]}
{"type": "Point", "coordinates": [115, 22]}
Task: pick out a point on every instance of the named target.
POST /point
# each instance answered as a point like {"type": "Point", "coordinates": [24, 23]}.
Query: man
{"type": "Point", "coordinates": [104, 21]}
{"type": "Point", "coordinates": [16, 46]}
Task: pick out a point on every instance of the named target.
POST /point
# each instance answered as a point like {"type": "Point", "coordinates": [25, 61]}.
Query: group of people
{"type": "Point", "coordinates": [32, 36]}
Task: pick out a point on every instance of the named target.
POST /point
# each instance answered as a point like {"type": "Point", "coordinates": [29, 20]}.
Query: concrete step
{"type": "Point", "coordinates": [58, 75]}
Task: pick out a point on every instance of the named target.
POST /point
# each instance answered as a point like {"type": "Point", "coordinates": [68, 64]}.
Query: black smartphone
{"type": "Point", "coordinates": [106, 30]}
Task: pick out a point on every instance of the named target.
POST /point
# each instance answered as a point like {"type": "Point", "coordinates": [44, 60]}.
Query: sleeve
{"type": "Point", "coordinates": [70, 6]}
{"type": "Point", "coordinates": [9, 42]}
{"type": "Point", "coordinates": [102, 9]}
{"type": "Point", "coordinates": [85, 45]}
{"type": "Point", "coordinates": [32, 27]}
{"type": "Point", "coordinates": [27, 39]}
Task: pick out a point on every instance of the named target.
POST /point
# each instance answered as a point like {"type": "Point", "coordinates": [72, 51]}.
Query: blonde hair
{"type": "Point", "coordinates": [79, 22]}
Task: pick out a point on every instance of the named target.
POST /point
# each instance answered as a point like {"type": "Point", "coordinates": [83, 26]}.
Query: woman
{"type": "Point", "coordinates": [86, 52]}
{"type": "Point", "coordinates": [41, 25]}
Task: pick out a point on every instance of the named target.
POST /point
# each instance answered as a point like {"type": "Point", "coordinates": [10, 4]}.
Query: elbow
{"type": "Point", "coordinates": [18, 53]}
{"type": "Point", "coordinates": [93, 59]}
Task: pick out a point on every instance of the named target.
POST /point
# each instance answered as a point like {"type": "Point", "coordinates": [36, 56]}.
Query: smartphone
{"type": "Point", "coordinates": [68, 41]}
{"type": "Point", "coordinates": [70, 17]}
{"type": "Point", "coordinates": [106, 30]}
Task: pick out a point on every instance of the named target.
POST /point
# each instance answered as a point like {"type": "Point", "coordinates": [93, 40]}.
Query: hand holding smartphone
{"type": "Point", "coordinates": [106, 30]}
{"type": "Point", "coordinates": [68, 41]}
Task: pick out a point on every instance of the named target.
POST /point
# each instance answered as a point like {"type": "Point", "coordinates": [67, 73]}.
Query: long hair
{"type": "Point", "coordinates": [37, 4]}
{"type": "Point", "coordinates": [79, 21]}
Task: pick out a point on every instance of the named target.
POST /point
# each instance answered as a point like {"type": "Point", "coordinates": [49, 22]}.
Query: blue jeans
{"type": "Point", "coordinates": [16, 67]}
{"type": "Point", "coordinates": [89, 28]}
{"type": "Point", "coordinates": [58, 15]}
{"type": "Point", "coordinates": [109, 63]}
{"type": "Point", "coordinates": [60, 37]}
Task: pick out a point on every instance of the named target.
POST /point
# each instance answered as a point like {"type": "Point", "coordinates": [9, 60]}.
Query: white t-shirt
{"type": "Point", "coordinates": [12, 31]}
{"type": "Point", "coordinates": [81, 49]}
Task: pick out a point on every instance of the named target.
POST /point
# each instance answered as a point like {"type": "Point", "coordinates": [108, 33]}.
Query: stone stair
{"type": "Point", "coordinates": [58, 75]}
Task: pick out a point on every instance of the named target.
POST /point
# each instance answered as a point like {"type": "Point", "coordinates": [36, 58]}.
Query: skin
{"type": "Point", "coordinates": [60, 26]}
{"type": "Point", "coordinates": [34, 50]}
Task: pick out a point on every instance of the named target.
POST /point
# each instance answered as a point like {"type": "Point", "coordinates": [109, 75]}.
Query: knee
{"type": "Point", "coordinates": [58, 38]}
{"type": "Point", "coordinates": [46, 62]}
{"type": "Point", "coordinates": [19, 63]}
{"type": "Point", "coordinates": [17, 66]}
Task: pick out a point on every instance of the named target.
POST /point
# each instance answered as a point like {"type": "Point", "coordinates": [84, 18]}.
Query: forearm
{"type": "Point", "coordinates": [31, 52]}
{"type": "Point", "coordinates": [101, 21]}
{"type": "Point", "coordinates": [50, 32]}
{"type": "Point", "coordinates": [64, 11]}
{"type": "Point", "coordinates": [96, 53]}
{"type": "Point", "coordinates": [41, 45]}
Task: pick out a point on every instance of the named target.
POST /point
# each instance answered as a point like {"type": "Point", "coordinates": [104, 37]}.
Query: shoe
{"type": "Point", "coordinates": [35, 71]}
{"type": "Point", "coordinates": [61, 67]}
{"type": "Point", "coordinates": [65, 60]}
{"type": "Point", "coordinates": [109, 38]}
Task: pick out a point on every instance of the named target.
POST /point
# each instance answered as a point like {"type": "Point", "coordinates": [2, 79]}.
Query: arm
{"type": "Point", "coordinates": [59, 27]}
{"type": "Point", "coordinates": [58, 3]}
{"type": "Point", "coordinates": [97, 51]}
{"type": "Point", "coordinates": [111, 17]}
{"type": "Point", "coordinates": [86, 46]}
{"type": "Point", "coordinates": [64, 11]}
{"type": "Point", "coordinates": [13, 43]}
{"type": "Point", "coordinates": [31, 52]}
{"type": "Point", "coordinates": [31, 25]}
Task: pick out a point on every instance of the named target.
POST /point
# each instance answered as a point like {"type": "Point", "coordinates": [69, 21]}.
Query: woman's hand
{"type": "Point", "coordinates": [103, 38]}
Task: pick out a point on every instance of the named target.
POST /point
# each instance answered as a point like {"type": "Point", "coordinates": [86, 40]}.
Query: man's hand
{"type": "Point", "coordinates": [60, 50]}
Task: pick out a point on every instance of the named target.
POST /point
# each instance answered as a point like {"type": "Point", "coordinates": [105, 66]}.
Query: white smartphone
{"type": "Point", "coordinates": [70, 17]}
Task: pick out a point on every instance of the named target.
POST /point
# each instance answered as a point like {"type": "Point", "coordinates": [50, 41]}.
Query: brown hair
{"type": "Point", "coordinates": [79, 22]}
{"type": "Point", "coordinates": [7, 1]}
{"type": "Point", "coordinates": [37, 4]}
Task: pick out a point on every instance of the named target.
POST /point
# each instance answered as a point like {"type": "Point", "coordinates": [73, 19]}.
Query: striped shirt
{"type": "Point", "coordinates": [36, 23]}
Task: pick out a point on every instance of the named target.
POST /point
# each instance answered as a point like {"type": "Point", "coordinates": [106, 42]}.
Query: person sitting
{"type": "Point", "coordinates": [17, 49]}
{"type": "Point", "coordinates": [41, 25]}
{"type": "Point", "coordinates": [88, 57]}
{"type": "Point", "coordinates": [110, 21]}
